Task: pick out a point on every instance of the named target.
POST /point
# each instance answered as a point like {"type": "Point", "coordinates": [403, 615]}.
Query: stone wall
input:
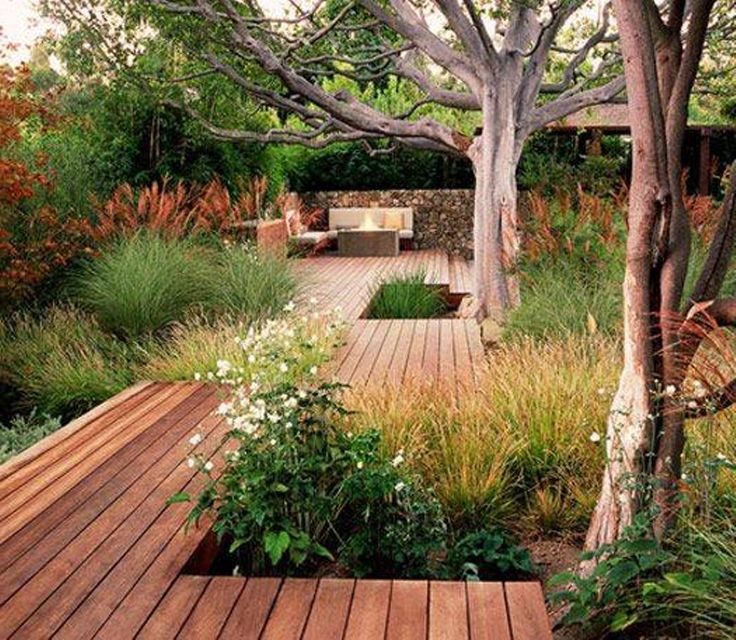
{"type": "Point", "coordinates": [443, 218]}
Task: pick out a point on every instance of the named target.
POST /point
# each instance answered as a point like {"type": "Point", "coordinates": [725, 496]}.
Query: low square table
{"type": "Point", "coordinates": [367, 242]}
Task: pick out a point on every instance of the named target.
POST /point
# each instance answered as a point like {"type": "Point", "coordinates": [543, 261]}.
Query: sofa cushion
{"type": "Point", "coordinates": [311, 237]}
{"type": "Point", "coordinates": [393, 220]}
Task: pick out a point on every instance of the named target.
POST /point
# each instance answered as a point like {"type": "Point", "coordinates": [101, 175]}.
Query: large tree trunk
{"type": "Point", "coordinates": [496, 237]}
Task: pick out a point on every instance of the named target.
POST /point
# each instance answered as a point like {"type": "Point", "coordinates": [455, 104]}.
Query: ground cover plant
{"type": "Point", "coordinates": [406, 296]}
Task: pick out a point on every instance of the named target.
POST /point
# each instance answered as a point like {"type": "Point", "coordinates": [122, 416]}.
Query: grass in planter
{"type": "Point", "coordinates": [62, 363]}
{"type": "Point", "coordinates": [406, 296]}
{"type": "Point", "coordinates": [144, 283]}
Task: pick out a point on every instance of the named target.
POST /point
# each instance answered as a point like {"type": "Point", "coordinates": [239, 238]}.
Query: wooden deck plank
{"type": "Point", "coordinates": [384, 358]}
{"type": "Point", "coordinates": [212, 609]}
{"type": "Point", "coordinates": [104, 570]}
{"type": "Point", "coordinates": [431, 362]}
{"type": "Point", "coordinates": [448, 611]}
{"type": "Point", "coordinates": [364, 331]}
{"type": "Point", "coordinates": [397, 369]}
{"type": "Point", "coordinates": [67, 432]}
{"type": "Point", "coordinates": [447, 370]}
{"type": "Point", "coordinates": [364, 368]}
{"type": "Point", "coordinates": [527, 612]}
{"type": "Point", "coordinates": [252, 609]}
{"type": "Point", "coordinates": [407, 617]}
{"type": "Point", "coordinates": [487, 615]}
{"type": "Point", "coordinates": [69, 515]}
{"type": "Point", "coordinates": [291, 610]}
{"type": "Point", "coordinates": [415, 357]}
{"type": "Point", "coordinates": [369, 610]}
{"type": "Point", "coordinates": [28, 502]}
{"type": "Point", "coordinates": [175, 608]}
{"type": "Point", "coordinates": [43, 469]}
{"type": "Point", "coordinates": [330, 609]}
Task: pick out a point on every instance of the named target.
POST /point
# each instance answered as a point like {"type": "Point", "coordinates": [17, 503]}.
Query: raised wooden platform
{"type": "Point", "coordinates": [89, 548]}
{"type": "Point", "coordinates": [395, 351]}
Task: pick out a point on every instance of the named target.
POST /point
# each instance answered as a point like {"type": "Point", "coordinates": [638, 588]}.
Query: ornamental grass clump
{"type": "Point", "coordinates": [61, 363]}
{"type": "Point", "coordinates": [145, 283]}
{"type": "Point", "coordinates": [406, 296]}
{"type": "Point", "coordinates": [281, 349]}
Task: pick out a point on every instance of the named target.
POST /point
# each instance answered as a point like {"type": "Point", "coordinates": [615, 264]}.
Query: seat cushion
{"type": "Point", "coordinates": [311, 237]}
{"type": "Point", "coordinates": [393, 220]}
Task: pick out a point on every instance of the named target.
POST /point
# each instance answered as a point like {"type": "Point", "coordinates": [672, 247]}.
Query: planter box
{"type": "Point", "coordinates": [268, 235]}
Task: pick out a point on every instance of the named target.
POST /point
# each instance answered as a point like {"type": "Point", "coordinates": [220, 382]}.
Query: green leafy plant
{"type": "Point", "coordinates": [406, 296]}
{"type": "Point", "coordinates": [296, 489]}
{"type": "Point", "coordinates": [489, 554]}
{"type": "Point", "coordinates": [144, 283]}
{"type": "Point", "coordinates": [23, 431]}
{"type": "Point", "coordinates": [603, 599]}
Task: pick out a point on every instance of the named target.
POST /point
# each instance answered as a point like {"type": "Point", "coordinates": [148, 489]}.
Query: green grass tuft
{"type": "Point", "coordinates": [405, 297]}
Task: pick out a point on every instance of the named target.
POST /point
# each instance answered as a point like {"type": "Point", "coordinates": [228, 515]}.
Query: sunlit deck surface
{"type": "Point", "coordinates": [90, 548]}
{"type": "Point", "coordinates": [397, 351]}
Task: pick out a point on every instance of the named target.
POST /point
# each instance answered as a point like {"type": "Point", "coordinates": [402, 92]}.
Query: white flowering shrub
{"type": "Point", "coordinates": [296, 490]}
{"type": "Point", "coordinates": [288, 348]}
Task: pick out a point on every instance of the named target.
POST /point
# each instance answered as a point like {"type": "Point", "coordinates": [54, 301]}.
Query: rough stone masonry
{"type": "Point", "coordinates": [443, 218]}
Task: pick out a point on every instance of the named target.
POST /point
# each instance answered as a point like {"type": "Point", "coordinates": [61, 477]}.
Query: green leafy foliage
{"type": "Point", "coordinates": [489, 554]}
{"type": "Point", "coordinates": [23, 431]}
{"type": "Point", "coordinates": [296, 490]}
{"type": "Point", "coordinates": [602, 599]}
{"type": "Point", "coordinates": [406, 296]}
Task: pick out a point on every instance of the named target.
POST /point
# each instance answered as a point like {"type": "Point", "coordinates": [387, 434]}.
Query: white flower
{"type": "Point", "coordinates": [208, 466]}
{"type": "Point", "coordinates": [683, 477]}
{"type": "Point", "coordinates": [191, 462]}
{"type": "Point", "coordinates": [313, 371]}
{"type": "Point", "coordinates": [195, 439]}
{"type": "Point", "coordinates": [302, 394]}
{"type": "Point", "coordinates": [274, 417]}
{"type": "Point", "coordinates": [313, 301]}
{"type": "Point", "coordinates": [595, 437]}
{"type": "Point", "coordinates": [223, 366]}
{"type": "Point", "coordinates": [272, 441]}
{"type": "Point", "coordinates": [224, 408]}
{"type": "Point", "coordinates": [251, 358]}
{"type": "Point", "coordinates": [601, 391]}
{"type": "Point", "coordinates": [360, 464]}
{"type": "Point", "coordinates": [670, 389]}
{"type": "Point", "coordinates": [692, 404]}
{"type": "Point", "coordinates": [399, 486]}
{"type": "Point", "coordinates": [283, 367]}
{"type": "Point", "coordinates": [289, 307]}
{"type": "Point", "coordinates": [398, 459]}
{"type": "Point", "coordinates": [197, 376]}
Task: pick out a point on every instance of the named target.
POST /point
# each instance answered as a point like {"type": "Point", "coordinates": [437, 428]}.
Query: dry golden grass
{"type": "Point", "coordinates": [515, 448]}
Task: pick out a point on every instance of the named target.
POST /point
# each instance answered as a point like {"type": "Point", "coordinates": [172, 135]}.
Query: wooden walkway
{"type": "Point", "coordinates": [89, 548]}
{"type": "Point", "coordinates": [396, 351]}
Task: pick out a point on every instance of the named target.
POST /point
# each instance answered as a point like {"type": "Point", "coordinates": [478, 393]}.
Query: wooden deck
{"type": "Point", "coordinates": [396, 351]}
{"type": "Point", "coordinates": [90, 549]}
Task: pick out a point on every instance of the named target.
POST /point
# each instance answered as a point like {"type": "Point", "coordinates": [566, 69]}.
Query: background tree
{"type": "Point", "coordinates": [662, 47]}
{"type": "Point", "coordinates": [321, 69]}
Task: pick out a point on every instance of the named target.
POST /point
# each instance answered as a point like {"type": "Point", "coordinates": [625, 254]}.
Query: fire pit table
{"type": "Point", "coordinates": [367, 242]}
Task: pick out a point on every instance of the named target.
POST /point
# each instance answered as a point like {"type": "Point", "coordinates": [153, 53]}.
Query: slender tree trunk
{"type": "Point", "coordinates": [496, 237]}
{"type": "Point", "coordinates": [631, 424]}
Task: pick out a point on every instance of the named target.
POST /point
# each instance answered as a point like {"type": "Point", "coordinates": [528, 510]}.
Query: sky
{"type": "Point", "coordinates": [21, 26]}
